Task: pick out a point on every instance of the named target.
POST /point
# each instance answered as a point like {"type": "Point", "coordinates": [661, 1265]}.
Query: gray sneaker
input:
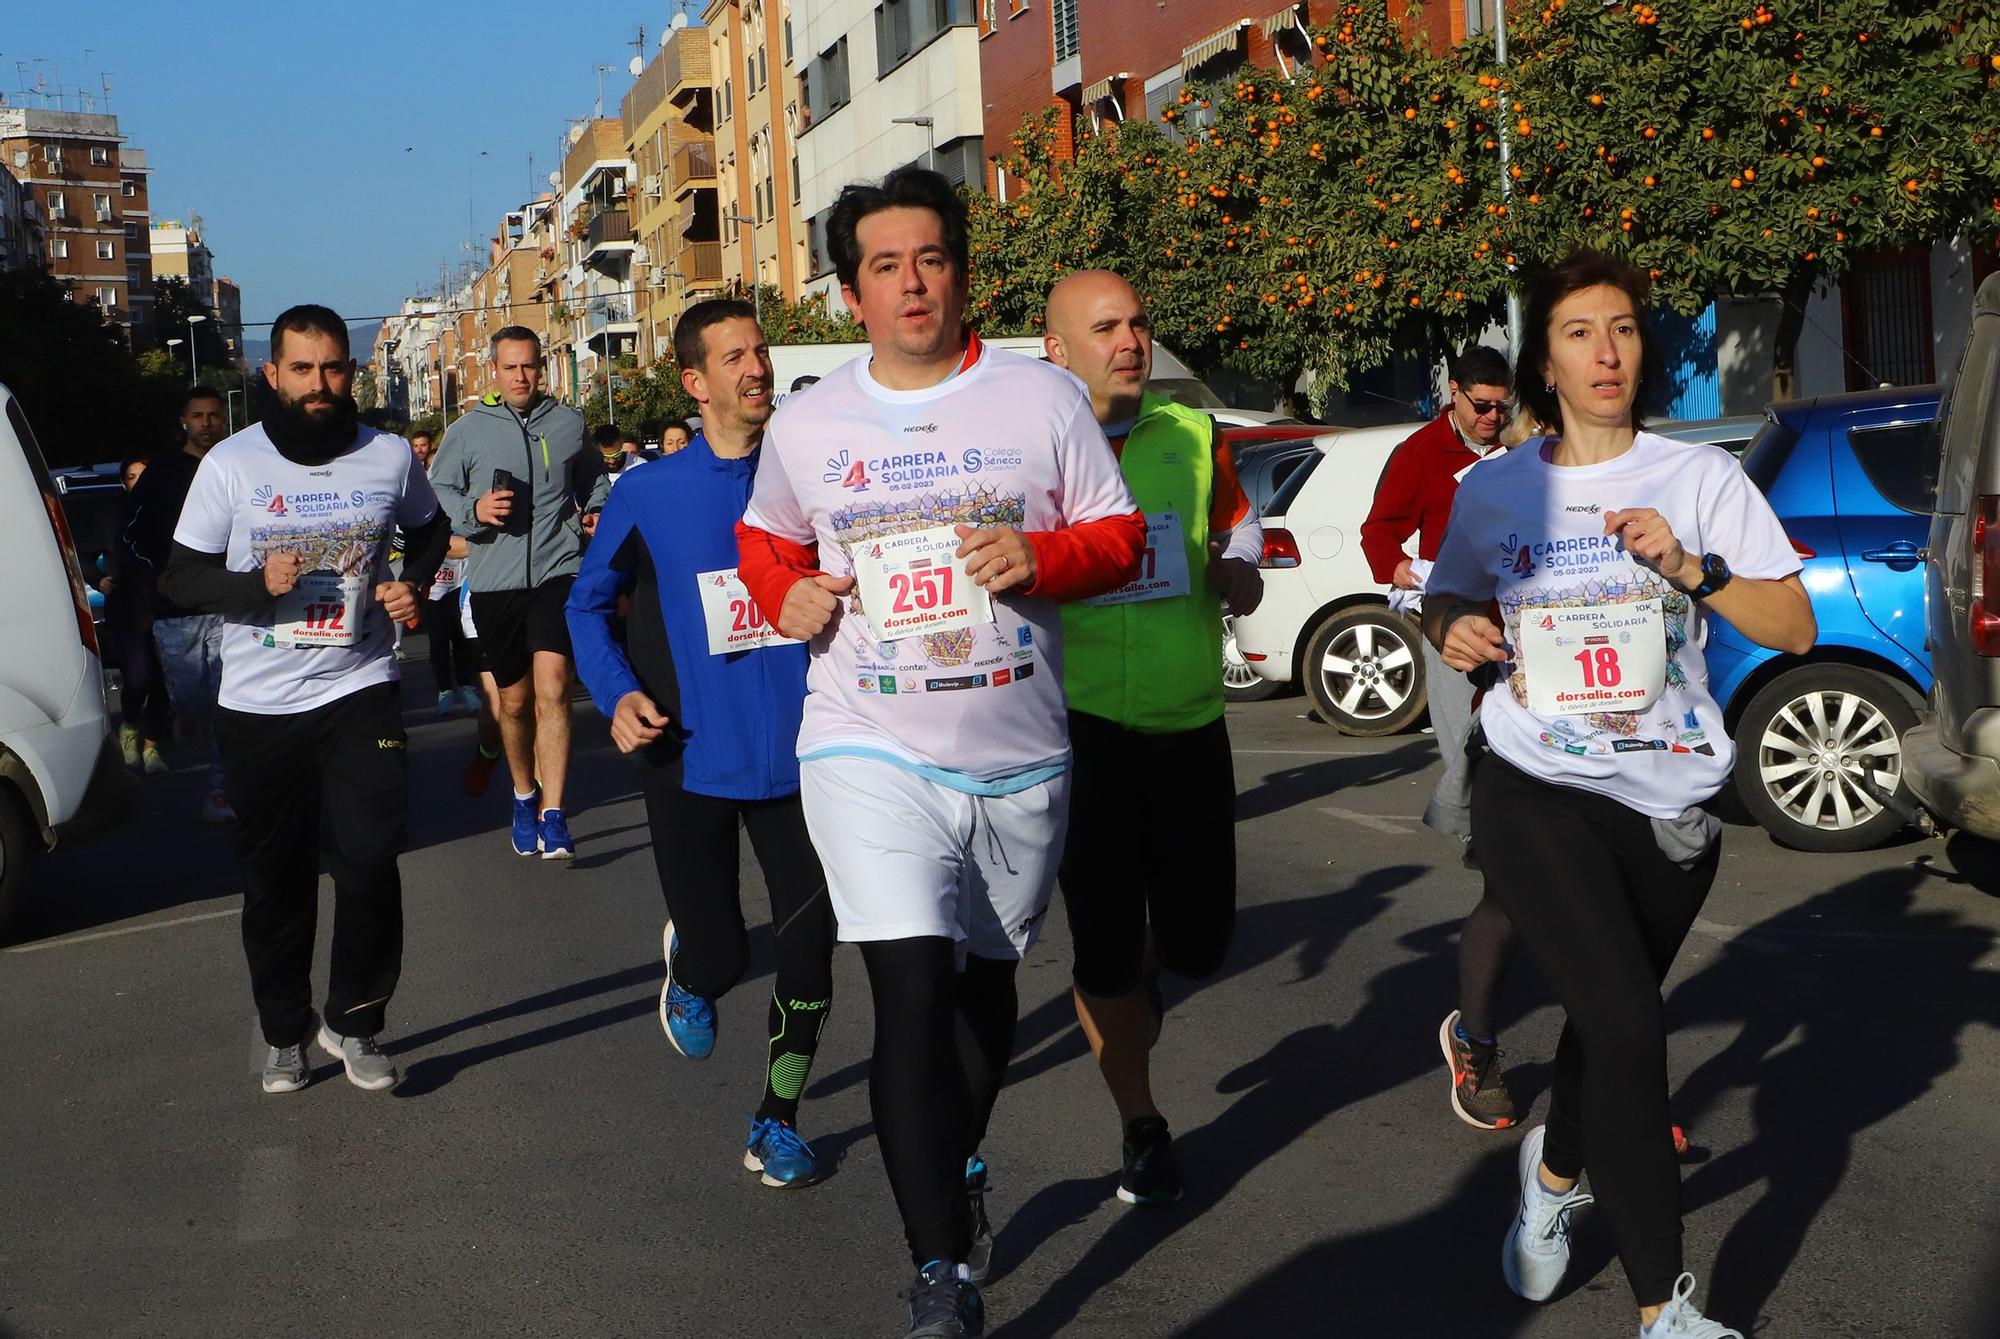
{"type": "Point", "coordinates": [286, 1069]}
{"type": "Point", "coordinates": [366, 1066]}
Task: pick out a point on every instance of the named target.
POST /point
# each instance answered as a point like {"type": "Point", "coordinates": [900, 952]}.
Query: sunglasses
{"type": "Point", "coordinates": [1481, 408]}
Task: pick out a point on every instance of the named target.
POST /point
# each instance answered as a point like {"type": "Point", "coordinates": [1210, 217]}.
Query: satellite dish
{"type": "Point", "coordinates": [555, 178]}
{"type": "Point", "coordinates": [576, 132]}
{"type": "Point", "coordinates": [680, 21]}
{"type": "Point", "coordinates": [636, 66]}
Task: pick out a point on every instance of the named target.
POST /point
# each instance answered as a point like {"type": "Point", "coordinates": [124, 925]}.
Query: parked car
{"type": "Point", "coordinates": [1325, 622]}
{"type": "Point", "coordinates": [1819, 761]}
{"type": "Point", "coordinates": [1952, 755]}
{"type": "Point", "coordinates": [1262, 466]}
{"type": "Point", "coordinates": [61, 775]}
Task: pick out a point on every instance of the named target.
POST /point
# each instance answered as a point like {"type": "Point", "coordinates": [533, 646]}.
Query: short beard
{"type": "Point", "coordinates": [318, 434]}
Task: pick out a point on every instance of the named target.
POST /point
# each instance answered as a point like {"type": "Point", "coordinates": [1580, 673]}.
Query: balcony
{"type": "Point", "coordinates": [609, 232]}
{"type": "Point", "coordinates": [613, 314]}
{"type": "Point", "coordinates": [698, 222]}
{"type": "Point", "coordinates": [694, 168]}
{"type": "Point", "coordinates": [701, 262]}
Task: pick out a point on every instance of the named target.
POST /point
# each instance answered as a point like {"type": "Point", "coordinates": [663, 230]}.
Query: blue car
{"type": "Point", "coordinates": [1818, 736]}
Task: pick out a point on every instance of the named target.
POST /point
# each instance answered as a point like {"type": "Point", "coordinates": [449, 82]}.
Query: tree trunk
{"type": "Point", "coordinates": [1791, 323]}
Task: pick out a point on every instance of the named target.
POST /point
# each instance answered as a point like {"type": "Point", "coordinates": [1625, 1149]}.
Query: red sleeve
{"type": "Point", "coordinates": [1396, 512]}
{"type": "Point", "coordinates": [1088, 558]}
{"type": "Point", "coordinates": [770, 565]}
{"type": "Point", "coordinates": [1228, 504]}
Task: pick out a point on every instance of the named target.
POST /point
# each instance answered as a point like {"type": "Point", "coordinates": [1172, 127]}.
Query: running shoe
{"type": "Point", "coordinates": [688, 1019]}
{"type": "Point", "coordinates": [215, 808]}
{"type": "Point", "coordinates": [1535, 1255]}
{"type": "Point", "coordinates": [479, 772]}
{"type": "Point", "coordinates": [944, 1304]}
{"type": "Point", "coordinates": [1478, 1092]}
{"type": "Point", "coordinates": [1150, 1175]}
{"type": "Point", "coordinates": [152, 762]}
{"type": "Point", "coordinates": [447, 702]}
{"type": "Point", "coordinates": [1679, 1320]}
{"type": "Point", "coordinates": [555, 838]}
{"type": "Point", "coordinates": [979, 1257]}
{"type": "Point", "coordinates": [128, 744]}
{"type": "Point", "coordinates": [776, 1150]}
{"type": "Point", "coordinates": [286, 1069]}
{"type": "Point", "coordinates": [366, 1066]}
{"type": "Point", "coordinates": [469, 700]}
{"type": "Point", "coordinates": [527, 830]}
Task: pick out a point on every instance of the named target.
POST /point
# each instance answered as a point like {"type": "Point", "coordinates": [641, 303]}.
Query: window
{"type": "Point", "coordinates": [57, 204]}
{"type": "Point", "coordinates": [131, 234]}
{"type": "Point", "coordinates": [795, 178]}
{"type": "Point", "coordinates": [728, 100]}
{"type": "Point", "coordinates": [103, 202]}
{"type": "Point", "coordinates": [99, 155]}
{"type": "Point", "coordinates": [106, 251]}
{"type": "Point", "coordinates": [1901, 460]}
{"type": "Point", "coordinates": [1886, 309]}
{"type": "Point", "coordinates": [788, 39]}
{"type": "Point", "coordinates": [824, 84]}
{"type": "Point", "coordinates": [1062, 14]}
{"type": "Point", "coordinates": [52, 155]}
{"type": "Point", "coordinates": [107, 298]}
{"type": "Point", "coordinates": [59, 248]}
{"type": "Point", "coordinates": [131, 188]}
{"type": "Point", "coordinates": [892, 34]}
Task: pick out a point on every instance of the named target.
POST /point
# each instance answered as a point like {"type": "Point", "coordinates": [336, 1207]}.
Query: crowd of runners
{"type": "Point", "coordinates": [932, 634]}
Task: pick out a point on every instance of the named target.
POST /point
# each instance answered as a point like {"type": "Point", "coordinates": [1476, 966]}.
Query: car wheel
{"type": "Point", "coordinates": [1364, 671]}
{"type": "Point", "coordinates": [19, 845]}
{"type": "Point", "coordinates": [1803, 746]}
{"type": "Point", "coordinates": [1240, 683]}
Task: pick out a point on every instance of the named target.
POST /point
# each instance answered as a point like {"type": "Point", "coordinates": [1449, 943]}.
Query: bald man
{"type": "Point", "coordinates": [1149, 873]}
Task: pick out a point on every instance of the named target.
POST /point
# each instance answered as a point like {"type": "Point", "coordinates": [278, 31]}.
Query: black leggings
{"type": "Point", "coordinates": [142, 699]}
{"type": "Point", "coordinates": [696, 850]}
{"type": "Point", "coordinates": [1604, 912]}
{"type": "Point", "coordinates": [942, 1041]}
{"type": "Point", "coordinates": [453, 661]}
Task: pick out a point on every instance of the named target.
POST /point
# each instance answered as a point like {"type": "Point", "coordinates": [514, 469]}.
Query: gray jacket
{"type": "Point", "coordinates": [557, 476]}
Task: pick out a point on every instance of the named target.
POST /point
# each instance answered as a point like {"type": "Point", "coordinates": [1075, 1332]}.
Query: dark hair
{"type": "Point", "coordinates": [509, 333]}
{"type": "Point", "coordinates": [689, 349]}
{"type": "Point", "coordinates": [908, 187]}
{"type": "Point", "coordinates": [1575, 272]}
{"type": "Point", "coordinates": [421, 432]}
{"type": "Point", "coordinates": [604, 434]}
{"type": "Point", "coordinates": [309, 318]}
{"type": "Point", "coordinates": [680, 423]}
{"type": "Point", "coordinates": [205, 393]}
{"type": "Point", "coordinates": [627, 435]}
{"type": "Point", "coordinates": [1479, 365]}
{"type": "Point", "coordinates": [136, 458]}
{"type": "Point", "coordinates": [801, 382]}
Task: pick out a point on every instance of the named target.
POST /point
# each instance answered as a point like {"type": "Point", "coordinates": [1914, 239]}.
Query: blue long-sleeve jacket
{"type": "Point", "coordinates": [734, 717]}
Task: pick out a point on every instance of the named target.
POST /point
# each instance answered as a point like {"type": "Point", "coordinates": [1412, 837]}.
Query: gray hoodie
{"type": "Point", "coordinates": [557, 475]}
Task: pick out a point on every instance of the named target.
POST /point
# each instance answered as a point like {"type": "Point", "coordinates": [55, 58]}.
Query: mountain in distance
{"type": "Point", "coordinates": [360, 338]}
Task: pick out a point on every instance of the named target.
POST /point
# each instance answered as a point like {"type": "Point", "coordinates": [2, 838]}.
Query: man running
{"type": "Point", "coordinates": [918, 518]}
{"type": "Point", "coordinates": [285, 536]}
{"type": "Point", "coordinates": [189, 641]}
{"type": "Point", "coordinates": [514, 475]}
{"type": "Point", "coordinates": [709, 697]}
{"type": "Point", "coordinates": [1414, 497]}
{"type": "Point", "coordinates": [1143, 672]}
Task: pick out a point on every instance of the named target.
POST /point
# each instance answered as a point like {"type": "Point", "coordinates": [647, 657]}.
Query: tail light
{"type": "Point", "coordinates": [1280, 549]}
{"type": "Point", "coordinates": [1802, 550]}
{"type": "Point", "coordinates": [86, 629]}
{"type": "Point", "coordinates": [1984, 621]}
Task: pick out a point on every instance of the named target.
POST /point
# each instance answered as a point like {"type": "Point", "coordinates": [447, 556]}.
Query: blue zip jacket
{"type": "Point", "coordinates": [734, 718]}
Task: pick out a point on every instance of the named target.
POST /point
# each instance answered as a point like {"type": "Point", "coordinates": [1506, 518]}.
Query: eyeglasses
{"type": "Point", "coordinates": [1481, 408]}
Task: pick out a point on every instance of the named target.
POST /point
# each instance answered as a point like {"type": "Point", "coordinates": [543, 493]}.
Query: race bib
{"type": "Point", "coordinates": [912, 584]}
{"type": "Point", "coordinates": [734, 620]}
{"type": "Point", "coordinates": [1163, 570]}
{"type": "Point", "coordinates": [324, 609]}
{"type": "Point", "coordinates": [1607, 657]}
{"type": "Point", "coordinates": [449, 574]}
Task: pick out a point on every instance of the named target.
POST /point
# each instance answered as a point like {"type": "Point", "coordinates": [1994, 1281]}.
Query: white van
{"type": "Point", "coordinates": [61, 776]}
{"type": "Point", "coordinates": [796, 366]}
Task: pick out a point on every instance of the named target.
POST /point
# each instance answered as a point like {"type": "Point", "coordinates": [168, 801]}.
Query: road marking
{"type": "Point", "coordinates": [1303, 753]}
{"type": "Point", "coordinates": [123, 930]}
{"type": "Point", "coordinates": [1378, 822]}
{"type": "Point", "coordinates": [267, 1196]}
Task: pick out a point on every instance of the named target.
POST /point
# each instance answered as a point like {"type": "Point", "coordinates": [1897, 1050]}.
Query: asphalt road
{"type": "Point", "coordinates": [550, 1167]}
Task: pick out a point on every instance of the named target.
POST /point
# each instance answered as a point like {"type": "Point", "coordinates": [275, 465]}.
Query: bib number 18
{"type": "Point", "coordinates": [1600, 667]}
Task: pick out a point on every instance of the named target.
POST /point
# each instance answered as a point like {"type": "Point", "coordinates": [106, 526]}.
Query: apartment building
{"type": "Point", "coordinates": [135, 216]}
{"type": "Point", "coordinates": [405, 358]}
{"type": "Point", "coordinates": [668, 121]}
{"type": "Point", "coordinates": [20, 225]}
{"type": "Point", "coordinates": [69, 163]}
{"type": "Point", "coordinates": [883, 83]}
{"type": "Point", "coordinates": [596, 323]}
{"type": "Point", "coordinates": [179, 252]}
{"type": "Point", "coordinates": [757, 118]}
{"type": "Point", "coordinates": [226, 302]}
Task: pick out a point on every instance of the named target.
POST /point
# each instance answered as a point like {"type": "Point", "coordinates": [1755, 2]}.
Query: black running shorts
{"type": "Point", "coordinates": [514, 624]}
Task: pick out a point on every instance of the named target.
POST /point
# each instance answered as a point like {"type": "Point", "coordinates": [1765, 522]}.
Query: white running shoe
{"type": "Point", "coordinates": [1679, 1320]}
{"type": "Point", "coordinates": [1535, 1255]}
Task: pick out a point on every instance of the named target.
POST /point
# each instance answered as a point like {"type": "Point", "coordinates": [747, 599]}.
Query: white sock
{"type": "Point", "coordinates": [519, 796]}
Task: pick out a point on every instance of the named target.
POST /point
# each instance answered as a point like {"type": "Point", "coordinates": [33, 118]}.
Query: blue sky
{"type": "Point", "coordinates": [333, 153]}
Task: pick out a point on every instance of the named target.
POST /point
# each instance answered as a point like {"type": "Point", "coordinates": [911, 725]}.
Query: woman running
{"type": "Point", "coordinates": [1583, 567]}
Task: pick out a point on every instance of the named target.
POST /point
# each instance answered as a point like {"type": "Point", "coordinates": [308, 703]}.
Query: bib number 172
{"type": "Point", "coordinates": [926, 589]}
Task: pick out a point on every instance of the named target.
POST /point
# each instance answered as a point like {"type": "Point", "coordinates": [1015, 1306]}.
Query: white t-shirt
{"type": "Point", "coordinates": [1008, 441]}
{"type": "Point", "coordinates": [248, 501]}
{"type": "Point", "coordinates": [1531, 535]}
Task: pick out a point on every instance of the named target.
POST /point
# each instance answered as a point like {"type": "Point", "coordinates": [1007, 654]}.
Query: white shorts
{"type": "Point", "coordinates": [907, 857]}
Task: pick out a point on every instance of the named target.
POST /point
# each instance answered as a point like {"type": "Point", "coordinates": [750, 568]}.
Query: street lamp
{"type": "Point", "coordinates": [930, 133]}
{"type": "Point", "coordinates": [194, 359]}
{"type": "Point", "coordinates": [756, 289]}
{"type": "Point", "coordinates": [229, 403]}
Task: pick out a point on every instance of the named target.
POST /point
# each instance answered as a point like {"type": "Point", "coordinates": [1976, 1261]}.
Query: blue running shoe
{"type": "Point", "coordinates": [776, 1150]}
{"type": "Point", "coordinates": [944, 1304]}
{"type": "Point", "coordinates": [687, 1018]}
{"type": "Point", "coordinates": [979, 1256]}
{"type": "Point", "coordinates": [556, 843]}
{"type": "Point", "coordinates": [527, 831]}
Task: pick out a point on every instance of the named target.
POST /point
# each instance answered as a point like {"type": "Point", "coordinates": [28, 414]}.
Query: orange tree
{"type": "Point", "coordinates": [1732, 146]}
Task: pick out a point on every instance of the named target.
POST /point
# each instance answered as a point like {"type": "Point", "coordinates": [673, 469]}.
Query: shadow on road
{"type": "Point", "coordinates": [1289, 786]}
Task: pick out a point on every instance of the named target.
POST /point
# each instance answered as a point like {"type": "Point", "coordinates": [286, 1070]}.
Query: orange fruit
{"type": "Point", "coordinates": [1708, 132]}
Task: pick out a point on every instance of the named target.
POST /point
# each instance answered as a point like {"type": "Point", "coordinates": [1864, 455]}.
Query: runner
{"type": "Point", "coordinates": [285, 535]}
{"type": "Point", "coordinates": [1602, 546]}
{"type": "Point", "coordinates": [129, 600]}
{"type": "Point", "coordinates": [1414, 497]}
{"type": "Point", "coordinates": [710, 698]}
{"type": "Point", "coordinates": [514, 474]}
{"type": "Point", "coordinates": [454, 661]}
{"type": "Point", "coordinates": [675, 437]}
{"type": "Point", "coordinates": [919, 523]}
{"type": "Point", "coordinates": [488, 750]}
{"type": "Point", "coordinates": [1143, 671]}
{"type": "Point", "coordinates": [189, 641]}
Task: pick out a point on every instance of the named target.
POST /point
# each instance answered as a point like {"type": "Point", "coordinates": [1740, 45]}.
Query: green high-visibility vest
{"type": "Point", "coordinates": [1156, 665]}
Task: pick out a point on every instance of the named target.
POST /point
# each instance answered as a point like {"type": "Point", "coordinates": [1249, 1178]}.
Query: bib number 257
{"type": "Point", "coordinates": [929, 588]}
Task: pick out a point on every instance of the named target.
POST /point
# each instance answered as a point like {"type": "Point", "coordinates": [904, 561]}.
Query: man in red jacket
{"type": "Point", "coordinates": [1415, 497]}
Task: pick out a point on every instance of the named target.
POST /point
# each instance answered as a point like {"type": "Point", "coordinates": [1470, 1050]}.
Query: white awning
{"type": "Point", "coordinates": [1288, 17]}
{"type": "Point", "coordinates": [1208, 48]}
{"type": "Point", "coordinates": [1103, 88]}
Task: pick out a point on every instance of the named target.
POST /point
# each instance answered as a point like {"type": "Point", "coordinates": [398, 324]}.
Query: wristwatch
{"type": "Point", "coordinates": [1715, 574]}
